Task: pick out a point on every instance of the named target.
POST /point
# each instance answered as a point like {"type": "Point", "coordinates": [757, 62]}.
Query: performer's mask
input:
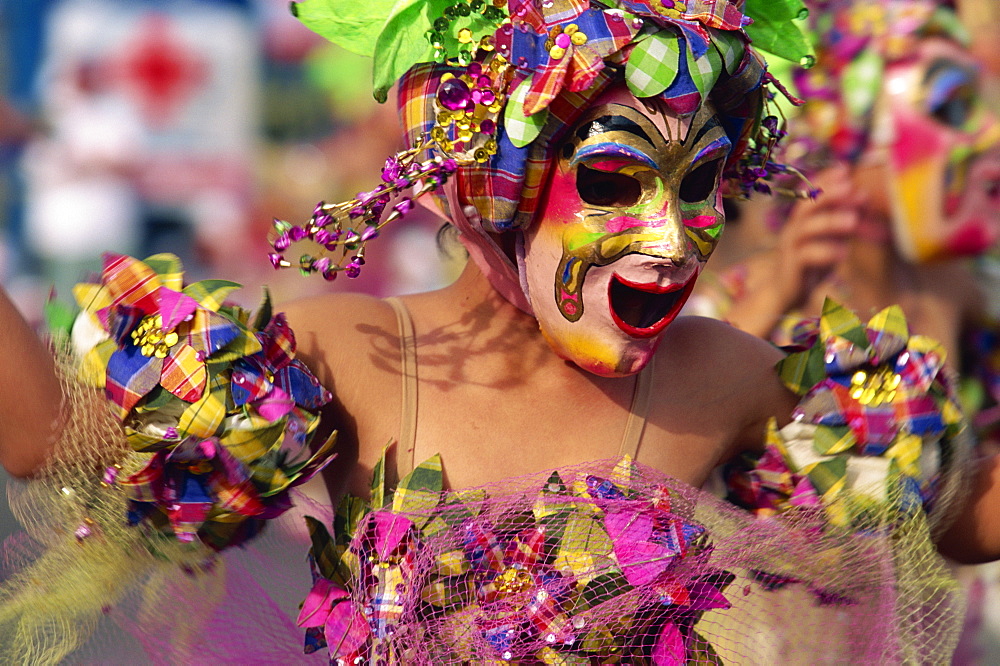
{"type": "Point", "coordinates": [943, 150]}
{"type": "Point", "coordinates": [631, 212]}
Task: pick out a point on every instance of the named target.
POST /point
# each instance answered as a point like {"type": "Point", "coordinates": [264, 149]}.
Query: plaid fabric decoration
{"type": "Point", "coordinates": [130, 376]}
{"type": "Point", "coordinates": [184, 374]}
{"type": "Point", "coordinates": [418, 494]}
{"type": "Point", "coordinates": [131, 281]}
{"type": "Point", "coordinates": [204, 417]}
{"type": "Point", "coordinates": [653, 64]}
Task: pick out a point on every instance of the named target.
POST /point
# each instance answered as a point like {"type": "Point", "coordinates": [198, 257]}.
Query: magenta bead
{"type": "Point", "coordinates": [453, 94]}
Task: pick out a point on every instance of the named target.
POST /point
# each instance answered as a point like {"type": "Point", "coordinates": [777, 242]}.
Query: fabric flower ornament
{"type": "Point", "coordinates": [164, 333]}
{"type": "Point", "coordinates": [332, 618]}
{"type": "Point", "coordinates": [566, 55]}
{"type": "Point", "coordinates": [649, 542]}
{"type": "Point", "coordinates": [189, 481]}
{"type": "Point", "coordinates": [272, 381]}
{"type": "Point", "coordinates": [881, 383]}
{"type": "Point", "coordinates": [516, 588]}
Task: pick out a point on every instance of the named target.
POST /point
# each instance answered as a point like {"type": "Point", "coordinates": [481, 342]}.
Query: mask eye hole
{"type": "Point", "coordinates": [699, 185]}
{"type": "Point", "coordinates": [605, 188]}
{"type": "Point", "coordinates": [955, 110]}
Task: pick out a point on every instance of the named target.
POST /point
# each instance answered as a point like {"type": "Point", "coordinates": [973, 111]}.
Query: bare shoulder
{"type": "Point", "coordinates": [713, 347]}
{"type": "Point", "coordinates": [338, 332]}
{"type": "Point", "coordinates": [725, 375]}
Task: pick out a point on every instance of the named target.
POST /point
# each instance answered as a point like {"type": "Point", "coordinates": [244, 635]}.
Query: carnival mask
{"type": "Point", "coordinates": [631, 213]}
{"type": "Point", "coordinates": [943, 146]}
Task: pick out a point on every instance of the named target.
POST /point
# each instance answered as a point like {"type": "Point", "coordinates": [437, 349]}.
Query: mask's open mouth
{"type": "Point", "coordinates": [643, 310]}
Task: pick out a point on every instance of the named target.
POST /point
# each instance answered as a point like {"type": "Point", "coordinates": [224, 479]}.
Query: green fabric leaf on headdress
{"type": "Point", "coordinates": [774, 29]}
{"type": "Point", "coordinates": [704, 71]}
{"type": "Point", "coordinates": [730, 46]}
{"type": "Point", "coordinates": [353, 25]}
{"type": "Point", "coordinates": [862, 81]}
{"type": "Point", "coordinates": [653, 64]}
{"type": "Point", "coordinates": [522, 129]}
{"type": "Point", "coordinates": [403, 41]}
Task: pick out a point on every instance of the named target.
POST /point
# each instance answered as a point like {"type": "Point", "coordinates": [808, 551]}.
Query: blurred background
{"type": "Point", "coordinates": [143, 126]}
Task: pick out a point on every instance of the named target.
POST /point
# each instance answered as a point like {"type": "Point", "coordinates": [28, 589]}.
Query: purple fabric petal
{"type": "Point", "coordinates": [319, 602]}
{"type": "Point", "coordinates": [346, 629]}
{"type": "Point", "coordinates": [670, 649]}
{"type": "Point", "coordinates": [276, 405]}
{"type": "Point", "coordinates": [389, 530]}
{"type": "Point", "coordinates": [174, 307]}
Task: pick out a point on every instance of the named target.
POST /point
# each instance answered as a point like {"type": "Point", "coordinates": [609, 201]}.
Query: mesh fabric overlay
{"type": "Point", "coordinates": [613, 562]}
{"type": "Point", "coordinates": [79, 584]}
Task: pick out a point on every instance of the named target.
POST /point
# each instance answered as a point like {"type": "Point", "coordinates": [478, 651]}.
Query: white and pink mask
{"type": "Point", "coordinates": [943, 147]}
{"type": "Point", "coordinates": [631, 213]}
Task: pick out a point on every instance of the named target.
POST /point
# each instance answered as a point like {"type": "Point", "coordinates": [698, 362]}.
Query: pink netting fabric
{"type": "Point", "coordinates": [616, 563]}
{"type": "Point", "coordinates": [608, 562]}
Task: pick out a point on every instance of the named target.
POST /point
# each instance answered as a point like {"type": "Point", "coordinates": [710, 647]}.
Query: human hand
{"type": "Point", "coordinates": [807, 249]}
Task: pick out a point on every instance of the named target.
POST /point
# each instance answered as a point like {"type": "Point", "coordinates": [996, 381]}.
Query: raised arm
{"type": "Point", "coordinates": [809, 246]}
{"type": "Point", "coordinates": [30, 394]}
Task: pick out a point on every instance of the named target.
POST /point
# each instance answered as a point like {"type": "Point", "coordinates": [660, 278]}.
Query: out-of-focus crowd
{"type": "Point", "coordinates": [142, 126]}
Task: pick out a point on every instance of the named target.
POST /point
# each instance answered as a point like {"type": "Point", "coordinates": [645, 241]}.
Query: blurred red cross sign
{"type": "Point", "coordinates": [158, 70]}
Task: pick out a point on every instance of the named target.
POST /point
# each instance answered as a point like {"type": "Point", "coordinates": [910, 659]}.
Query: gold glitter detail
{"type": "Point", "coordinates": [151, 339]}
{"type": "Point", "coordinates": [874, 387]}
{"type": "Point", "coordinates": [464, 36]}
{"type": "Point", "coordinates": [512, 581]}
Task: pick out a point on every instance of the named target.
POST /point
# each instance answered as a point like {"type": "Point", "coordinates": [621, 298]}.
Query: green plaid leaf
{"type": "Point", "coordinates": [837, 320]}
{"type": "Point", "coordinates": [730, 47]}
{"type": "Point", "coordinates": [380, 491]}
{"type": "Point", "coordinates": [167, 266]}
{"type": "Point", "coordinates": [521, 129]}
{"type": "Point", "coordinates": [211, 293]}
{"type": "Point", "coordinates": [419, 493]}
{"type": "Point", "coordinates": [862, 81]}
{"type": "Point", "coordinates": [264, 312]}
{"type": "Point", "coordinates": [350, 513]}
{"type": "Point", "coordinates": [704, 71]}
{"type": "Point", "coordinates": [802, 370]}
{"type": "Point", "coordinates": [323, 549]}
{"type": "Point", "coordinates": [268, 475]}
{"type": "Point", "coordinates": [653, 64]}
{"type": "Point", "coordinates": [830, 440]}
{"type": "Point", "coordinates": [827, 474]}
{"type": "Point", "coordinates": [252, 444]}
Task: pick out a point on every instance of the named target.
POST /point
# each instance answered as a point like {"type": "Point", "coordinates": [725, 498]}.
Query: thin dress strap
{"type": "Point", "coordinates": [637, 412]}
{"type": "Point", "coordinates": [408, 416]}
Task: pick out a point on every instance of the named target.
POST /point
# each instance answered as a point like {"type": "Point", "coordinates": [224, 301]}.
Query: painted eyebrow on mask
{"type": "Point", "coordinates": [611, 150]}
{"type": "Point", "coordinates": [953, 68]}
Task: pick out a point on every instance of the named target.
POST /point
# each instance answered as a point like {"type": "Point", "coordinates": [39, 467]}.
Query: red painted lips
{"type": "Point", "coordinates": [644, 310]}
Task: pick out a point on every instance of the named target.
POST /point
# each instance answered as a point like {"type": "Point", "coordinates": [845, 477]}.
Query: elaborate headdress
{"type": "Point", "coordinates": [486, 90]}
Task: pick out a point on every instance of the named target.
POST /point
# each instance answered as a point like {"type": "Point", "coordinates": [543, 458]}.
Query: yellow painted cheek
{"type": "Point", "coordinates": [916, 188]}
